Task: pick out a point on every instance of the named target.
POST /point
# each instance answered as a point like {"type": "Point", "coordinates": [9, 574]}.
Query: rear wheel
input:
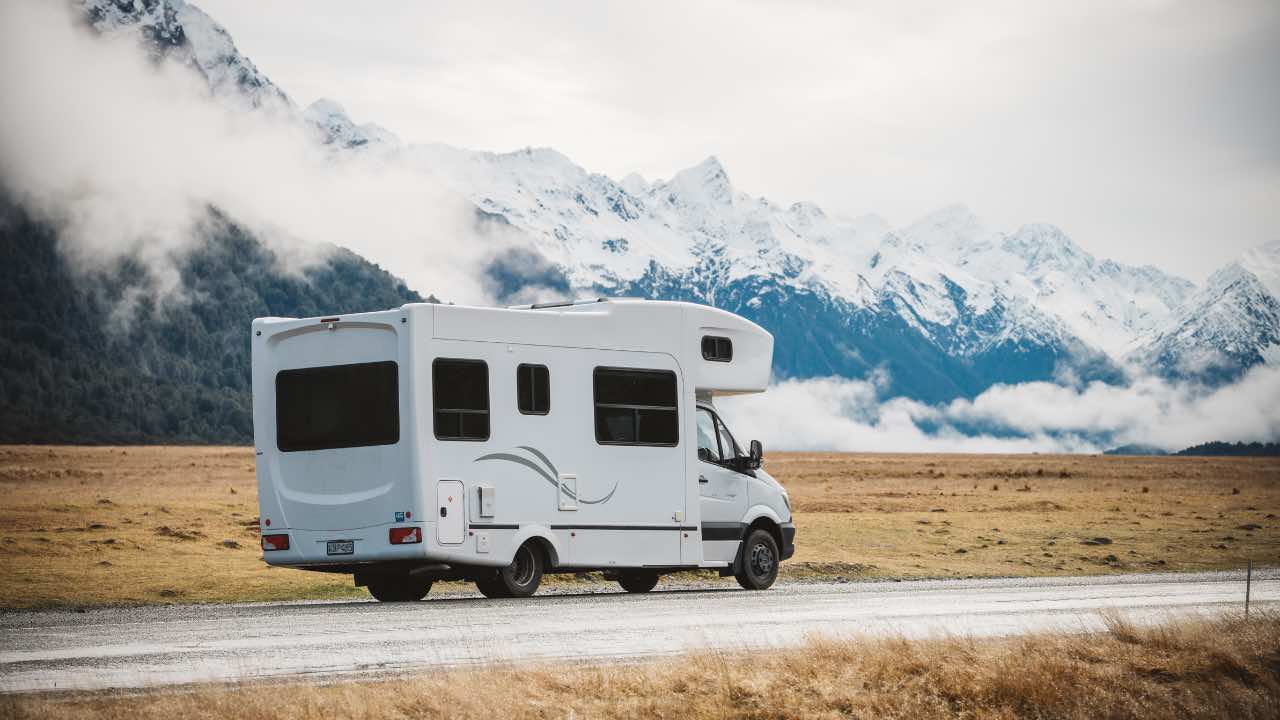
{"type": "Point", "coordinates": [491, 588]}
{"type": "Point", "coordinates": [638, 582]}
{"type": "Point", "coordinates": [759, 562]}
{"type": "Point", "coordinates": [400, 590]}
{"type": "Point", "coordinates": [519, 579]}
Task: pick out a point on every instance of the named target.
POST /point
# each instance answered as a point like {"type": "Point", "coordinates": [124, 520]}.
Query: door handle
{"type": "Point", "coordinates": [703, 479]}
{"type": "Point", "coordinates": [444, 512]}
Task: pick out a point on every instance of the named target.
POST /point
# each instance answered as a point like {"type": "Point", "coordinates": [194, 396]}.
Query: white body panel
{"type": "Point", "coordinates": [536, 475]}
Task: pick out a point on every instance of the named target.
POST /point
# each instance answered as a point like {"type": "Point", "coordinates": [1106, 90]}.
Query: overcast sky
{"type": "Point", "coordinates": [1149, 131]}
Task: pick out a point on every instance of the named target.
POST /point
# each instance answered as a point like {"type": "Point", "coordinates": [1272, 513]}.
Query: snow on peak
{"type": "Point", "coordinates": [635, 184]}
{"type": "Point", "coordinates": [1264, 262]}
{"type": "Point", "coordinates": [177, 31]}
{"type": "Point", "coordinates": [953, 231]}
{"type": "Point", "coordinates": [336, 127]}
{"type": "Point", "coordinates": [1043, 245]}
{"type": "Point", "coordinates": [947, 221]}
{"type": "Point", "coordinates": [704, 183]}
{"type": "Point", "coordinates": [806, 213]}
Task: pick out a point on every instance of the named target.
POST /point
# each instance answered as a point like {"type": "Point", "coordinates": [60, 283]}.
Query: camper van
{"type": "Point", "coordinates": [435, 442]}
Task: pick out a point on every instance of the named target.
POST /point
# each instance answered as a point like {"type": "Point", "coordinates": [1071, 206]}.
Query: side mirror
{"type": "Point", "coordinates": [757, 453]}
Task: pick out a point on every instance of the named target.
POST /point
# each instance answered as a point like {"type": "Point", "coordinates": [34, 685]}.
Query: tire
{"type": "Point", "coordinates": [638, 582]}
{"type": "Point", "coordinates": [758, 566]}
{"type": "Point", "coordinates": [491, 588]}
{"type": "Point", "coordinates": [399, 590]}
{"type": "Point", "coordinates": [517, 580]}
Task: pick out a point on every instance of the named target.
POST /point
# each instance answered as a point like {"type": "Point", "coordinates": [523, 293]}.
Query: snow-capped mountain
{"type": "Point", "coordinates": [179, 32]}
{"type": "Point", "coordinates": [963, 287]}
{"type": "Point", "coordinates": [944, 307]}
{"type": "Point", "coordinates": [1229, 326]}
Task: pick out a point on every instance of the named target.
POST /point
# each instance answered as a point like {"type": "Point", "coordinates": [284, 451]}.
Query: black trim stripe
{"type": "Point", "coordinates": [623, 527]}
{"type": "Point", "coordinates": [713, 531]}
{"type": "Point", "coordinates": [710, 531]}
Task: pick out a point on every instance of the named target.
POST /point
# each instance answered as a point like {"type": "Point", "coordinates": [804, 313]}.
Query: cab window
{"type": "Point", "coordinates": [708, 443]}
{"type": "Point", "coordinates": [728, 446]}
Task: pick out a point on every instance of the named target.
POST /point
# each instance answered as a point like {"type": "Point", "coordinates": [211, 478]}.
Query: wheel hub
{"type": "Point", "coordinates": [761, 559]}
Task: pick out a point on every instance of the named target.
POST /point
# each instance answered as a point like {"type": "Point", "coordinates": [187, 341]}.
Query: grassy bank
{"type": "Point", "coordinates": [96, 525]}
{"type": "Point", "coordinates": [1222, 668]}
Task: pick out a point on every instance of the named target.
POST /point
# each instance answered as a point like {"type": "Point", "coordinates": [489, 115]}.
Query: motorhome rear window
{"type": "Point", "coordinates": [636, 407]}
{"type": "Point", "coordinates": [460, 397]}
{"type": "Point", "coordinates": [718, 349]}
{"type": "Point", "coordinates": [533, 389]}
{"type": "Point", "coordinates": [338, 406]}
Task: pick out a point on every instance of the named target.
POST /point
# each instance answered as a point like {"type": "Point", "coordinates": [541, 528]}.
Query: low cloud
{"type": "Point", "coordinates": [125, 156]}
{"type": "Point", "coordinates": [839, 414]}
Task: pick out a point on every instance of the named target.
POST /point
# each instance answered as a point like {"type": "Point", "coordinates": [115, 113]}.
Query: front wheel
{"type": "Point", "coordinates": [399, 590]}
{"type": "Point", "coordinates": [759, 561]}
{"type": "Point", "coordinates": [519, 579]}
{"type": "Point", "coordinates": [638, 582]}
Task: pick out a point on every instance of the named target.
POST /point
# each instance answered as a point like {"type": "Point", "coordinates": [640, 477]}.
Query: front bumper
{"type": "Point", "coordinates": [788, 540]}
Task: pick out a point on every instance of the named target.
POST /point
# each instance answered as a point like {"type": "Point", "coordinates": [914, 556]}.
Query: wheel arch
{"type": "Point", "coordinates": [763, 517]}
{"type": "Point", "coordinates": [542, 538]}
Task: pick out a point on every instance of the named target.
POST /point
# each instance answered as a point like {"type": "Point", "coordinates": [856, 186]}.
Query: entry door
{"type": "Point", "coordinates": [722, 491]}
{"type": "Point", "coordinates": [449, 530]}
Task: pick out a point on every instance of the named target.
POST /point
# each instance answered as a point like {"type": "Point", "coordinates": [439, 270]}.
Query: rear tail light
{"type": "Point", "coordinates": [275, 542]}
{"type": "Point", "coordinates": [406, 536]}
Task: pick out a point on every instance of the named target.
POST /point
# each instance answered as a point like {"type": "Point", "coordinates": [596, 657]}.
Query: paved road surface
{"type": "Point", "coordinates": [127, 648]}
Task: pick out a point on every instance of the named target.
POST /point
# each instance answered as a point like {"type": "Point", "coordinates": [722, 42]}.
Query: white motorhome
{"type": "Point", "coordinates": [436, 442]}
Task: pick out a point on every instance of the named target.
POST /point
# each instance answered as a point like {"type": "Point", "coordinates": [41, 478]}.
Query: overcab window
{"type": "Point", "coordinates": [460, 398]}
{"type": "Point", "coordinates": [337, 406]}
{"type": "Point", "coordinates": [717, 349]}
{"type": "Point", "coordinates": [636, 407]}
{"type": "Point", "coordinates": [533, 389]}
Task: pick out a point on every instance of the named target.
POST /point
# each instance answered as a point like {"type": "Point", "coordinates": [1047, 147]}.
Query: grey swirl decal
{"type": "Point", "coordinates": [549, 473]}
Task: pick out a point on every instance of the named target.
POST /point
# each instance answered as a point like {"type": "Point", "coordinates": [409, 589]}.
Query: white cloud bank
{"type": "Point", "coordinates": [125, 156]}
{"type": "Point", "coordinates": [839, 414]}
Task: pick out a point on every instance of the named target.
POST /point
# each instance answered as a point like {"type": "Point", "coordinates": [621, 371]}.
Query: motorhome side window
{"type": "Point", "coordinates": [636, 407]}
{"type": "Point", "coordinates": [460, 398]}
{"type": "Point", "coordinates": [338, 406]}
{"type": "Point", "coordinates": [533, 389]}
{"type": "Point", "coordinates": [719, 349]}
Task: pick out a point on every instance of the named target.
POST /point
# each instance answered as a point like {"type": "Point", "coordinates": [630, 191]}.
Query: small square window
{"type": "Point", "coordinates": [717, 349]}
{"type": "Point", "coordinates": [533, 389]}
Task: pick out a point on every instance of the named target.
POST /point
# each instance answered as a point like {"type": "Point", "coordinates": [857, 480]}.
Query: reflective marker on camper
{"type": "Point", "coordinates": [405, 536]}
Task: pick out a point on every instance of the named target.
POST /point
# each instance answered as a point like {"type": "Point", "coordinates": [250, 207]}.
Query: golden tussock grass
{"type": "Point", "coordinates": [97, 525]}
{"type": "Point", "coordinates": [1219, 668]}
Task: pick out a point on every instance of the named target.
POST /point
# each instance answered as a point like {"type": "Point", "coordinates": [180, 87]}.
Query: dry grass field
{"type": "Point", "coordinates": [94, 525]}
{"type": "Point", "coordinates": [1222, 668]}
{"type": "Point", "coordinates": [993, 515]}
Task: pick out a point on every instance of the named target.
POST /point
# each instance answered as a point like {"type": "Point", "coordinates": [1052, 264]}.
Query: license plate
{"type": "Point", "coordinates": [340, 547]}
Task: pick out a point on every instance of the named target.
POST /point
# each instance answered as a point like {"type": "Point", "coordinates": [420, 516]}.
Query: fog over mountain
{"type": "Point", "coordinates": [141, 118]}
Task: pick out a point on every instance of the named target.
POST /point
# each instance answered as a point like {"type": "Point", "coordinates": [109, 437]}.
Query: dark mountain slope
{"type": "Point", "coordinates": [96, 358]}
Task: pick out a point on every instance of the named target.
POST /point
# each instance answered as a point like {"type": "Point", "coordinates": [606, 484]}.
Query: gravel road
{"type": "Point", "coordinates": [143, 647]}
